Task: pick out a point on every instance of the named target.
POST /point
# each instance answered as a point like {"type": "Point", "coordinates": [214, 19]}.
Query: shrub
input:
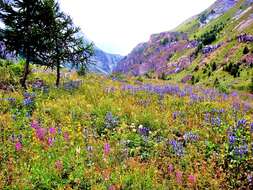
{"type": "Point", "coordinates": [214, 66]}
{"type": "Point", "coordinates": [211, 35]}
{"type": "Point", "coordinates": [245, 50]}
{"type": "Point", "coordinates": [10, 72]}
{"type": "Point", "coordinates": [233, 69]}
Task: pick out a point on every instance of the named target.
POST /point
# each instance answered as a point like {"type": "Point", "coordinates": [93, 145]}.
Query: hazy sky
{"type": "Point", "coordinates": [117, 26]}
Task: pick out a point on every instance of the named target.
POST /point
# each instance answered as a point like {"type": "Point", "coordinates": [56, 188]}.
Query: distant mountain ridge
{"type": "Point", "coordinates": [104, 63]}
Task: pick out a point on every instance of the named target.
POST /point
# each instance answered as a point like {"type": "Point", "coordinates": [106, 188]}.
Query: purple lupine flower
{"type": "Point", "coordinates": [11, 100]}
{"type": "Point", "coordinates": [232, 138]}
{"type": "Point", "coordinates": [234, 94]}
{"type": "Point", "coordinates": [216, 121]}
{"type": "Point", "coordinates": [241, 123]}
{"type": "Point", "coordinates": [106, 148]}
{"type": "Point", "coordinates": [144, 131]}
{"type": "Point", "coordinates": [59, 130]}
{"type": "Point", "coordinates": [175, 115]}
{"type": "Point", "coordinates": [111, 121]}
{"type": "Point", "coordinates": [191, 137]}
{"type": "Point", "coordinates": [207, 117]}
{"type": "Point", "coordinates": [177, 147]}
{"type": "Point", "coordinates": [251, 127]}
{"type": "Point", "coordinates": [27, 102]}
{"type": "Point", "coordinates": [241, 150]}
{"type": "Point", "coordinates": [236, 106]}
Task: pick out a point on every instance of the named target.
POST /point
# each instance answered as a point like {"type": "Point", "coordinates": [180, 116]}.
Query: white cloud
{"type": "Point", "coordinates": [117, 26]}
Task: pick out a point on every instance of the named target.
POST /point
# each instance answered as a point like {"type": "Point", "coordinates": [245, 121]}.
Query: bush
{"type": "Point", "coordinates": [210, 36]}
{"type": "Point", "coordinates": [10, 72]}
{"type": "Point", "coordinates": [233, 69]}
{"type": "Point", "coordinates": [245, 50]}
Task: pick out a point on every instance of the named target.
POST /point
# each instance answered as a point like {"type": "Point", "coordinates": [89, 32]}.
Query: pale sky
{"type": "Point", "coordinates": [117, 26]}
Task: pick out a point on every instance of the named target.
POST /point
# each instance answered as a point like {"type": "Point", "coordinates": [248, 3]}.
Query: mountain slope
{"type": "Point", "coordinates": [212, 48]}
{"type": "Point", "coordinates": [104, 62]}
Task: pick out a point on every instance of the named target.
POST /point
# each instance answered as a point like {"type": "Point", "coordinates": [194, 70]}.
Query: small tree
{"type": "Point", "coordinates": [22, 33]}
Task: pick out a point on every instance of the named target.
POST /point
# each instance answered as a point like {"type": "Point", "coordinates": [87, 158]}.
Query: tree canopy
{"type": "Point", "coordinates": [42, 34]}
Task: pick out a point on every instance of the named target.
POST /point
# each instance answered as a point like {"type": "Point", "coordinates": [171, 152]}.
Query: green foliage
{"type": "Point", "coordinates": [233, 69]}
{"type": "Point", "coordinates": [10, 72]}
{"type": "Point", "coordinates": [42, 34]}
{"type": "Point", "coordinates": [211, 35]}
{"type": "Point", "coordinates": [82, 71]}
{"type": "Point", "coordinates": [22, 33]}
{"type": "Point", "coordinates": [195, 80]}
{"type": "Point", "coordinates": [251, 85]}
{"type": "Point", "coordinates": [164, 41]}
{"type": "Point", "coordinates": [223, 88]}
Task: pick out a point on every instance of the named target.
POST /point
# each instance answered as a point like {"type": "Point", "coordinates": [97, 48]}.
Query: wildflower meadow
{"type": "Point", "coordinates": [109, 133]}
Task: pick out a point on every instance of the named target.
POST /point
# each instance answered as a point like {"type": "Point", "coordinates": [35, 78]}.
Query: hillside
{"type": "Point", "coordinates": [215, 45]}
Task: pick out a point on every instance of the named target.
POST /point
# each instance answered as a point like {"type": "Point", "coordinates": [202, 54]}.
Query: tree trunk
{"type": "Point", "coordinates": [25, 74]}
{"type": "Point", "coordinates": [58, 75]}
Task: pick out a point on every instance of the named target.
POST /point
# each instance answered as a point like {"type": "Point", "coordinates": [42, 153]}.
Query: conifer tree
{"type": "Point", "coordinates": [23, 32]}
{"type": "Point", "coordinates": [65, 44]}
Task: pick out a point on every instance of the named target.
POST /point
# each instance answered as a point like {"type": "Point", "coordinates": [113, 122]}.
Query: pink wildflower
{"type": "Point", "coordinates": [106, 148]}
{"type": "Point", "coordinates": [52, 131]}
{"type": "Point", "coordinates": [192, 179]}
{"type": "Point", "coordinates": [170, 168]}
{"type": "Point", "coordinates": [41, 133]}
{"type": "Point", "coordinates": [50, 141]}
{"type": "Point", "coordinates": [58, 165]}
{"type": "Point", "coordinates": [179, 176]}
{"type": "Point", "coordinates": [18, 146]}
{"type": "Point", "coordinates": [66, 136]}
{"type": "Point", "coordinates": [35, 124]}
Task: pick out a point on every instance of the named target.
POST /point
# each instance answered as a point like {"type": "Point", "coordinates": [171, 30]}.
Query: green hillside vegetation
{"type": "Point", "coordinates": [220, 30]}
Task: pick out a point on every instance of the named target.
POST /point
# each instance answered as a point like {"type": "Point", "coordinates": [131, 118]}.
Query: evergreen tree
{"type": "Point", "coordinates": [64, 45]}
{"type": "Point", "coordinates": [23, 33]}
